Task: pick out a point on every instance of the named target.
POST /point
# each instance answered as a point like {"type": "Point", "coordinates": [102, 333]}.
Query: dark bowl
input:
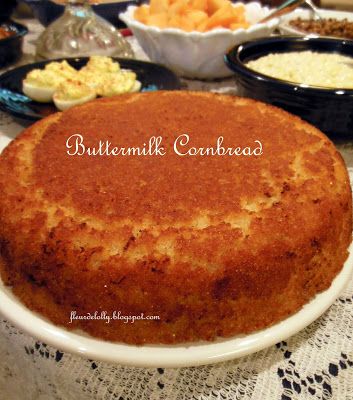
{"type": "Point", "coordinates": [6, 9]}
{"type": "Point", "coordinates": [47, 11]}
{"type": "Point", "coordinates": [330, 110]}
{"type": "Point", "coordinates": [11, 47]}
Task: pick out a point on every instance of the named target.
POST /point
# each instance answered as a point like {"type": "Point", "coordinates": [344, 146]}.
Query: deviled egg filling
{"type": "Point", "coordinates": [43, 78]}
{"type": "Point", "coordinates": [40, 85]}
{"type": "Point", "coordinates": [63, 69]}
{"type": "Point", "coordinates": [117, 84]}
{"type": "Point", "coordinates": [102, 64]}
{"type": "Point", "coordinates": [91, 78]}
{"type": "Point", "coordinates": [71, 93]}
{"type": "Point", "coordinates": [72, 89]}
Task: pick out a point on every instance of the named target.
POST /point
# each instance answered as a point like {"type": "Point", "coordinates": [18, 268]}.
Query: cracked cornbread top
{"type": "Point", "coordinates": [235, 197]}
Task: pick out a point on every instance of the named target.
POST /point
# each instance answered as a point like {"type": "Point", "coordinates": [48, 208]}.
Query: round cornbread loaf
{"type": "Point", "coordinates": [213, 245]}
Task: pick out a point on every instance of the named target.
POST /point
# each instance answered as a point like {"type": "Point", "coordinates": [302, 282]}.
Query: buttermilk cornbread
{"type": "Point", "coordinates": [215, 246]}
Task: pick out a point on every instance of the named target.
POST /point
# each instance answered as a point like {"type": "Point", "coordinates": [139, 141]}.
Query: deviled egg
{"type": "Point", "coordinates": [115, 84]}
{"type": "Point", "coordinates": [40, 85]}
{"type": "Point", "coordinates": [101, 64]}
{"type": "Point", "coordinates": [137, 87]}
{"type": "Point", "coordinates": [91, 78]}
{"type": "Point", "coordinates": [66, 87]}
{"type": "Point", "coordinates": [63, 69]}
{"type": "Point", "coordinates": [72, 93]}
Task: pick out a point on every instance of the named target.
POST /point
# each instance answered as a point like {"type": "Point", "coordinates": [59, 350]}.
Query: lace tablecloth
{"type": "Point", "coordinates": [315, 364]}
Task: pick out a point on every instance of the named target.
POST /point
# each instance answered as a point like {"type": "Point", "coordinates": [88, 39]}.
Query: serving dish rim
{"type": "Point", "coordinates": [287, 29]}
{"type": "Point", "coordinates": [21, 30]}
{"type": "Point", "coordinates": [172, 356]}
{"type": "Point", "coordinates": [232, 59]}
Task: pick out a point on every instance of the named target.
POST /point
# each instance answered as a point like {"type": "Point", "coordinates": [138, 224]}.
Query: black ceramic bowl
{"type": "Point", "coordinates": [331, 110]}
{"type": "Point", "coordinates": [11, 47]}
{"type": "Point", "coordinates": [47, 11]}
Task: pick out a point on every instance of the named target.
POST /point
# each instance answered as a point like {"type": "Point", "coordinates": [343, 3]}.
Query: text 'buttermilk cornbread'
{"type": "Point", "coordinates": [214, 246]}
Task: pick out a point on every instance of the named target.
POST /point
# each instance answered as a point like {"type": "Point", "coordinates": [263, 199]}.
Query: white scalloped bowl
{"type": "Point", "coordinates": [197, 54]}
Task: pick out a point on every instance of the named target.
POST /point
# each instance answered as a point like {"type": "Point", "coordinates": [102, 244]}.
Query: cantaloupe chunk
{"type": "Point", "coordinates": [174, 21]}
{"type": "Point", "coordinates": [219, 18]}
{"type": "Point", "coordinates": [201, 27]}
{"type": "Point", "coordinates": [178, 7]}
{"type": "Point", "coordinates": [200, 5]}
{"type": "Point", "coordinates": [238, 25]}
{"type": "Point", "coordinates": [196, 17]}
{"type": "Point", "coordinates": [222, 17]}
{"type": "Point", "coordinates": [239, 13]}
{"type": "Point", "coordinates": [186, 24]}
{"type": "Point", "coordinates": [189, 15]}
{"type": "Point", "coordinates": [142, 13]}
{"type": "Point", "coordinates": [160, 20]}
{"type": "Point", "coordinates": [214, 5]}
{"type": "Point", "coordinates": [158, 6]}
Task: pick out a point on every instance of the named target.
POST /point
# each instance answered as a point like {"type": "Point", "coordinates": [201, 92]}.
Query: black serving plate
{"type": "Point", "coordinates": [11, 47]}
{"type": "Point", "coordinates": [331, 110]}
{"type": "Point", "coordinates": [12, 100]}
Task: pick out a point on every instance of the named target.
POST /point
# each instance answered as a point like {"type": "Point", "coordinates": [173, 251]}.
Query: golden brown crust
{"type": "Point", "coordinates": [215, 246]}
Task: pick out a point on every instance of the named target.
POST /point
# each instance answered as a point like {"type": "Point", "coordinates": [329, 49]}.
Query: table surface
{"type": "Point", "coordinates": [317, 363]}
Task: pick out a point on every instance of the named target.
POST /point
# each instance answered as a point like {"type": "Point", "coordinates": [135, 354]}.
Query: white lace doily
{"type": "Point", "coordinates": [316, 364]}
